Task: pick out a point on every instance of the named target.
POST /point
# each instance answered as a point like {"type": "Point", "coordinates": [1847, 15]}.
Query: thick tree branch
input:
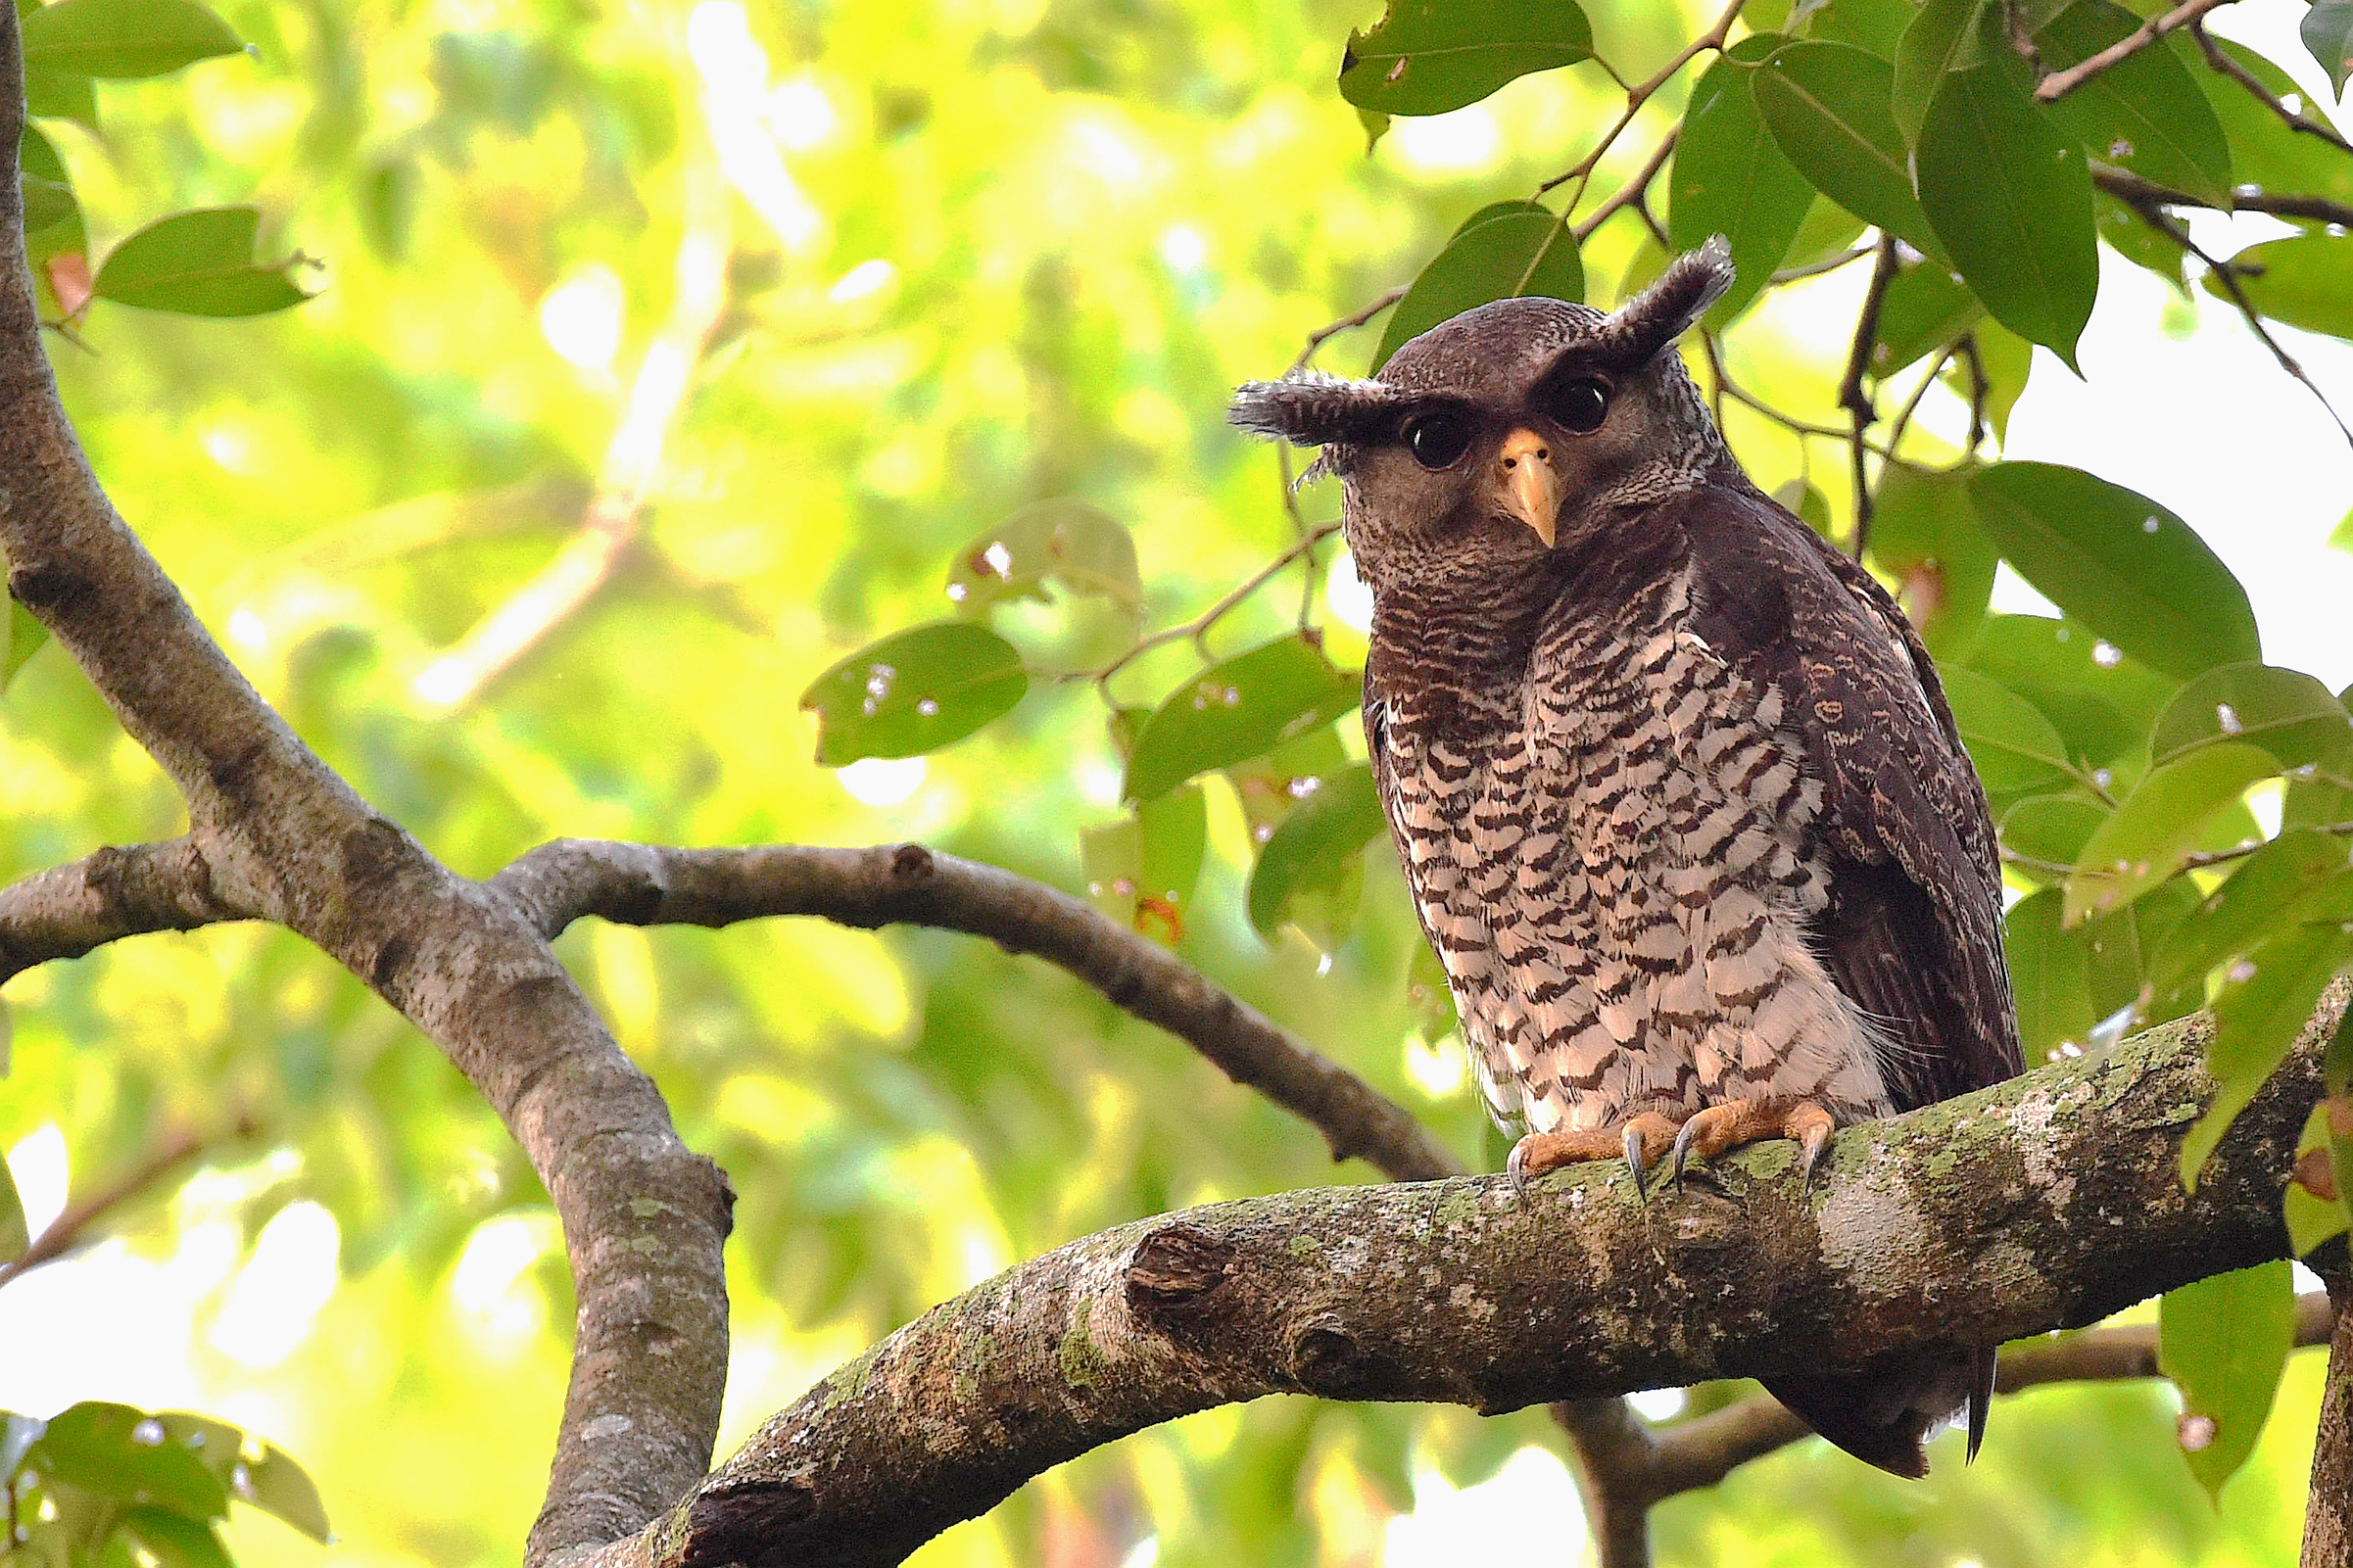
{"type": "Point", "coordinates": [2048, 1202]}
{"type": "Point", "coordinates": [2329, 1512]}
{"type": "Point", "coordinates": [279, 836]}
{"type": "Point", "coordinates": [642, 885]}
{"type": "Point", "coordinates": [112, 894]}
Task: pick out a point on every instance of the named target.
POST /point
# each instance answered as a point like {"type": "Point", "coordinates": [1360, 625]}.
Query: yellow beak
{"type": "Point", "coordinates": [1527, 485]}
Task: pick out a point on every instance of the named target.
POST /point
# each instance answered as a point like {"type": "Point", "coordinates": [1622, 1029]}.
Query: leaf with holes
{"type": "Point", "coordinates": [2143, 843]}
{"type": "Point", "coordinates": [2266, 151]}
{"type": "Point", "coordinates": [1730, 177]}
{"type": "Point", "coordinates": [1425, 56]}
{"type": "Point", "coordinates": [1080, 548]}
{"type": "Point", "coordinates": [1315, 847]}
{"type": "Point", "coordinates": [2327, 31]}
{"type": "Point", "coordinates": [1827, 107]}
{"type": "Point", "coordinates": [1141, 870]}
{"type": "Point", "coordinates": [2119, 564]}
{"type": "Point", "coordinates": [124, 38]}
{"type": "Point", "coordinates": [2145, 113]}
{"type": "Point", "coordinates": [2319, 793]}
{"type": "Point", "coordinates": [119, 1453]}
{"type": "Point", "coordinates": [2011, 199]}
{"type": "Point", "coordinates": [2225, 1341]}
{"type": "Point", "coordinates": [914, 691]}
{"type": "Point", "coordinates": [2102, 700]}
{"type": "Point", "coordinates": [198, 263]}
{"type": "Point", "coordinates": [2305, 281]}
{"type": "Point", "coordinates": [1236, 709]}
{"type": "Point", "coordinates": [2285, 712]}
{"type": "Point", "coordinates": [1500, 252]}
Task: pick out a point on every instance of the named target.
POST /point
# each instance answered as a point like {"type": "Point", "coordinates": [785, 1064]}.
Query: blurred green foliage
{"type": "Point", "coordinates": [980, 259]}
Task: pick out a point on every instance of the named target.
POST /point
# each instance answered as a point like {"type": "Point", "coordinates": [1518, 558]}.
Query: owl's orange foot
{"type": "Point", "coordinates": [1735, 1122]}
{"type": "Point", "coordinates": [1641, 1139]}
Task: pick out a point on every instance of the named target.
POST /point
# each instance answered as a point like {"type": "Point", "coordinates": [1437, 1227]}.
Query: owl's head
{"type": "Point", "coordinates": [1512, 430]}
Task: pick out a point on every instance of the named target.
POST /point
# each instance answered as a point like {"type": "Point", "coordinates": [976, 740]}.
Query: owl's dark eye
{"type": "Point", "coordinates": [1438, 440]}
{"type": "Point", "coordinates": [1581, 405]}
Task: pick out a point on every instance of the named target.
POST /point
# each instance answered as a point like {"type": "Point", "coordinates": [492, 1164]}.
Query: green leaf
{"type": "Point", "coordinates": [38, 160]}
{"type": "Point", "coordinates": [2049, 975]}
{"type": "Point", "coordinates": [2011, 199]}
{"type": "Point", "coordinates": [2285, 712]}
{"type": "Point", "coordinates": [2321, 793]}
{"type": "Point", "coordinates": [2266, 999]}
{"type": "Point", "coordinates": [61, 95]}
{"type": "Point", "coordinates": [119, 1453]}
{"type": "Point", "coordinates": [2143, 843]}
{"type": "Point", "coordinates": [2327, 31]}
{"type": "Point", "coordinates": [2302, 280]}
{"type": "Point", "coordinates": [1925, 534]}
{"type": "Point", "coordinates": [2313, 1219]}
{"type": "Point", "coordinates": [1943, 38]}
{"type": "Point", "coordinates": [1827, 107]}
{"type": "Point", "coordinates": [1315, 845]}
{"type": "Point", "coordinates": [1425, 56]}
{"type": "Point", "coordinates": [277, 1486]}
{"type": "Point", "coordinates": [1874, 25]}
{"type": "Point", "coordinates": [2006, 360]}
{"type": "Point", "coordinates": [1141, 871]}
{"type": "Point", "coordinates": [1082, 547]}
{"type": "Point", "coordinates": [1500, 252]}
{"type": "Point", "coordinates": [914, 691]}
{"type": "Point", "coordinates": [25, 638]}
{"type": "Point", "coordinates": [1926, 306]}
{"type": "Point", "coordinates": [2224, 1342]}
{"type": "Point", "coordinates": [1236, 709]}
{"type": "Point", "coordinates": [2266, 151]}
{"type": "Point", "coordinates": [1730, 177]}
{"type": "Point", "coordinates": [2259, 899]}
{"type": "Point", "coordinates": [2145, 113]}
{"type": "Point", "coordinates": [2052, 829]}
{"type": "Point", "coordinates": [2139, 244]}
{"type": "Point", "coordinates": [176, 1542]}
{"type": "Point", "coordinates": [124, 38]}
{"type": "Point", "coordinates": [46, 202]}
{"type": "Point", "coordinates": [2119, 564]}
{"type": "Point", "coordinates": [2014, 747]}
{"type": "Point", "coordinates": [2103, 703]}
{"type": "Point", "coordinates": [197, 263]}
{"type": "Point", "coordinates": [2119, 946]}
{"type": "Point", "coordinates": [15, 1236]}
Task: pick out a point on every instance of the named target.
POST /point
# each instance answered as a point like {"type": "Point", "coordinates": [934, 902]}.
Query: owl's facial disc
{"type": "Point", "coordinates": [1526, 484]}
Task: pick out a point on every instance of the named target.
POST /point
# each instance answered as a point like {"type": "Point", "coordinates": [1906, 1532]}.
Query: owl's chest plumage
{"type": "Point", "coordinates": [1614, 856]}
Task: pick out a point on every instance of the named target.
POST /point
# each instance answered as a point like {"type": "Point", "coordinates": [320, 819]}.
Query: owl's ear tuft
{"type": "Point", "coordinates": [1670, 306]}
{"type": "Point", "coordinates": [1316, 409]}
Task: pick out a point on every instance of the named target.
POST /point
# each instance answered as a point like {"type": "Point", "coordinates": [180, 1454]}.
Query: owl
{"type": "Point", "coordinates": [1677, 793]}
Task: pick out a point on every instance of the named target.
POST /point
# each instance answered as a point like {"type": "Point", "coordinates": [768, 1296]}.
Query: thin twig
{"type": "Point", "coordinates": [1911, 404]}
{"type": "Point", "coordinates": [1632, 192]}
{"type": "Point", "coordinates": [2060, 82]}
{"type": "Point", "coordinates": [1324, 334]}
{"type": "Point", "coordinates": [70, 1228]}
{"type": "Point", "coordinates": [1814, 269]}
{"type": "Point", "coordinates": [1979, 390]}
{"type": "Point", "coordinates": [2198, 859]}
{"type": "Point", "coordinates": [1637, 96]}
{"type": "Point", "coordinates": [1853, 396]}
{"type": "Point", "coordinates": [1197, 628]}
{"type": "Point", "coordinates": [2134, 191]}
{"type": "Point", "coordinates": [2219, 58]}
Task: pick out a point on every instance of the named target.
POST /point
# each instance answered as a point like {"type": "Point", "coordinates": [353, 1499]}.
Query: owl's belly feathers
{"type": "Point", "coordinates": [1617, 879]}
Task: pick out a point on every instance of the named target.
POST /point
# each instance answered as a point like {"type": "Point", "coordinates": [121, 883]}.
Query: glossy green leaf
{"type": "Point", "coordinates": [2285, 712]}
{"type": "Point", "coordinates": [1925, 308]}
{"type": "Point", "coordinates": [2265, 151]}
{"type": "Point", "coordinates": [2258, 900]}
{"type": "Point", "coordinates": [2145, 113]}
{"type": "Point", "coordinates": [1315, 843]}
{"type": "Point", "coordinates": [174, 1542]}
{"type": "Point", "coordinates": [124, 38]}
{"type": "Point", "coordinates": [2260, 1012]}
{"type": "Point", "coordinates": [2014, 747]}
{"type": "Point", "coordinates": [2143, 843]}
{"type": "Point", "coordinates": [1236, 710]}
{"type": "Point", "coordinates": [1942, 37]}
{"type": "Point", "coordinates": [2050, 976]}
{"type": "Point", "coordinates": [2011, 199]}
{"type": "Point", "coordinates": [1924, 532]}
{"type": "Point", "coordinates": [1141, 871]}
{"type": "Point", "coordinates": [1500, 252]}
{"type": "Point", "coordinates": [1730, 177]}
{"type": "Point", "coordinates": [1827, 107]}
{"type": "Point", "coordinates": [2102, 700]}
{"type": "Point", "coordinates": [1425, 56]}
{"type": "Point", "coordinates": [914, 691]}
{"type": "Point", "coordinates": [119, 1453]}
{"type": "Point", "coordinates": [198, 263]}
{"type": "Point", "coordinates": [2119, 564]}
{"type": "Point", "coordinates": [25, 638]}
{"type": "Point", "coordinates": [2051, 832]}
{"type": "Point", "coordinates": [2327, 31]}
{"type": "Point", "coordinates": [2305, 281]}
{"type": "Point", "coordinates": [1068, 542]}
{"type": "Point", "coordinates": [2319, 793]}
{"type": "Point", "coordinates": [282, 1488]}
{"type": "Point", "coordinates": [2225, 1341]}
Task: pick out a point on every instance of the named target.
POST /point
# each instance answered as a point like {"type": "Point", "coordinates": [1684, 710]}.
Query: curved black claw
{"type": "Point", "coordinates": [1683, 1142]}
{"type": "Point", "coordinates": [1634, 1159]}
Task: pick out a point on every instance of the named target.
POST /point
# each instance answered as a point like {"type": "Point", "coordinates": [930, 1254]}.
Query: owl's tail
{"type": "Point", "coordinates": [1884, 1414]}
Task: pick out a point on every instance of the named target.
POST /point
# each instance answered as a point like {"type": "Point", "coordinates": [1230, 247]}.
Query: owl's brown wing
{"type": "Point", "coordinates": [1913, 931]}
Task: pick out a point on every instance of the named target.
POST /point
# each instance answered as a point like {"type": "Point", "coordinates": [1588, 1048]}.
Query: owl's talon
{"type": "Point", "coordinates": [1734, 1123]}
{"type": "Point", "coordinates": [1634, 1159]}
{"type": "Point", "coordinates": [1682, 1141]}
{"type": "Point", "coordinates": [1516, 1167]}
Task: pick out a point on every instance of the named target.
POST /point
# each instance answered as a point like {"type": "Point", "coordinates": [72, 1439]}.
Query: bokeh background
{"type": "Point", "coordinates": [954, 258]}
